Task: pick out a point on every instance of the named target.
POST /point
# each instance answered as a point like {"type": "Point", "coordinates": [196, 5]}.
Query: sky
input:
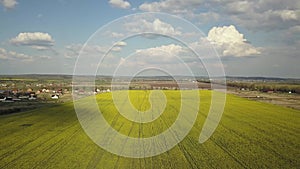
{"type": "Point", "coordinates": [182, 37]}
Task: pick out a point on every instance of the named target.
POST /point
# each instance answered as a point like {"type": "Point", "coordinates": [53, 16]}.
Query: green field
{"type": "Point", "coordinates": [250, 135]}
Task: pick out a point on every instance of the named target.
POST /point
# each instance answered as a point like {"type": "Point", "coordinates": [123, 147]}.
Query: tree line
{"type": "Point", "coordinates": [284, 88]}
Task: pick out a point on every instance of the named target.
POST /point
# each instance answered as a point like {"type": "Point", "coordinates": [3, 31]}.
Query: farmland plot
{"type": "Point", "coordinates": [250, 135]}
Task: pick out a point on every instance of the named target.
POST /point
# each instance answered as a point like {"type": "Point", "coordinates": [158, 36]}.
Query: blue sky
{"type": "Point", "coordinates": [252, 38]}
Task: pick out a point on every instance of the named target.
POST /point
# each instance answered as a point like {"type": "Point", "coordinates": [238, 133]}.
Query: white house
{"type": "Point", "coordinates": [54, 97]}
{"type": "Point", "coordinates": [2, 99]}
{"type": "Point", "coordinates": [32, 98]}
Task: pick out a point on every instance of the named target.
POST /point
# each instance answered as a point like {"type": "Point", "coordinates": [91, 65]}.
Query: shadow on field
{"type": "Point", "coordinates": [17, 107]}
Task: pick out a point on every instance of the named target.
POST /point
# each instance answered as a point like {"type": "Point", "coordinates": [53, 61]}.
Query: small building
{"type": "Point", "coordinates": [8, 99]}
{"type": "Point", "coordinates": [16, 99]}
{"type": "Point", "coordinates": [32, 98]}
{"type": "Point", "coordinates": [23, 97]}
{"type": "Point", "coordinates": [54, 96]}
{"type": "Point", "coordinates": [2, 98]}
{"type": "Point", "coordinates": [15, 91]}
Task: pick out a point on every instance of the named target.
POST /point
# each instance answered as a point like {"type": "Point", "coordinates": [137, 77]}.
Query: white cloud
{"type": "Point", "coordinates": [237, 7]}
{"type": "Point", "coordinates": [120, 43]}
{"type": "Point", "coordinates": [153, 60]}
{"type": "Point", "coordinates": [117, 35]}
{"type": "Point", "coordinates": [295, 29]}
{"type": "Point", "coordinates": [287, 14]}
{"type": "Point", "coordinates": [172, 49]}
{"type": "Point", "coordinates": [157, 26]}
{"type": "Point", "coordinates": [192, 10]}
{"type": "Point", "coordinates": [160, 54]}
{"type": "Point", "coordinates": [262, 15]}
{"type": "Point", "coordinates": [116, 49]}
{"type": "Point", "coordinates": [163, 27]}
{"type": "Point", "coordinates": [9, 4]}
{"type": "Point", "coordinates": [19, 56]}
{"type": "Point", "coordinates": [36, 40]}
{"type": "Point", "coordinates": [73, 50]}
{"type": "Point", "coordinates": [291, 37]}
{"type": "Point", "coordinates": [231, 42]}
{"type": "Point", "coordinates": [225, 34]}
{"type": "Point", "coordinates": [118, 46]}
{"type": "Point", "coordinates": [12, 55]}
{"type": "Point", "coordinates": [112, 34]}
{"type": "Point", "coordinates": [252, 14]}
{"type": "Point", "coordinates": [120, 4]}
{"type": "Point", "coordinates": [3, 54]}
{"type": "Point", "coordinates": [171, 6]}
{"type": "Point", "coordinates": [206, 17]}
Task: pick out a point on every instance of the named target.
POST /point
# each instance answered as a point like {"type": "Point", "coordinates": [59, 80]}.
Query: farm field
{"type": "Point", "coordinates": [251, 134]}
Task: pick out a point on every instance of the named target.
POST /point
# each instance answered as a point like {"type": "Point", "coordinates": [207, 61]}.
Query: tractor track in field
{"type": "Point", "coordinates": [254, 127]}
{"type": "Point", "coordinates": [18, 147]}
{"type": "Point", "coordinates": [63, 143]}
{"type": "Point", "coordinates": [22, 145]}
{"type": "Point", "coordinates": [141, 133]}
{"type": "Point", "coordinates": [230, 154]}
{"type": "Point", "coordinates": [243, 138]}
{"type": "Point", "coordinates": [224, 149]}
{"type": "Point", "coordinates": [189, 140]}
{"type": "Point", "coordinates": [277, 125]}
{"type": "Point", "coordinates": [264, 147]}
{"type": "Point", "coordinates": [108, 139]}
{"type": "Point", "coordinates": [270, 125]}
{"type": "Point", "coordinates": [28, 151]}
{"type": "Point", "coordinates": [117, 162]}
{"type": "Point", "coordinates": [96, 158]}
{"type": "Point", "coordinates": [30, 114]}
{"type": "Point", "coordinates": [186, 154]}
{"type": "Point", "coordinates": [25, 114]}
{"type": "Point", "coordinates": [153, 144]}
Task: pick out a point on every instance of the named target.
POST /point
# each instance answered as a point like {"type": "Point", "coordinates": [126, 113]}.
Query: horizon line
{"type": "Point", "coordinates": [204, 76]}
